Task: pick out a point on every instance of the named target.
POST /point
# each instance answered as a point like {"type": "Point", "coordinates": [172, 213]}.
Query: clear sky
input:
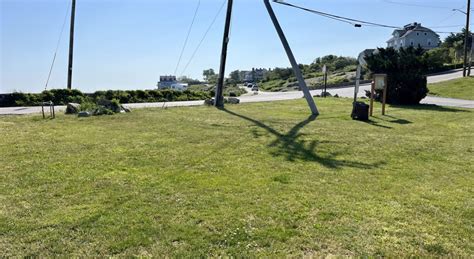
{"type": "Point", "coordinates": [128, 44]}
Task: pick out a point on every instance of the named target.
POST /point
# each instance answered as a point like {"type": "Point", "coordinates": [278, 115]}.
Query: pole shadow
{"type": "Point", "coordinates": [429, 107]}
{"type": "Point", "coordinates": [292, 148]}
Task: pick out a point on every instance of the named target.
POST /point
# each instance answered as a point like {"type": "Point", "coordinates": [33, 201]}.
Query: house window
{"type": "Point", "coordinates": [426, 34]}
{"type": "Point", "coordinates": [412, 43]}
{"type": "Point", "coordinates": [417, 34]}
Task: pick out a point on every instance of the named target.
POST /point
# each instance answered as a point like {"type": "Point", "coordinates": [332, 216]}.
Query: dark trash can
{"type": "Point", "coordinates": [360, 111]}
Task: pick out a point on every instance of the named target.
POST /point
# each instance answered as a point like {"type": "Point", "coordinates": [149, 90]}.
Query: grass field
{"type": "Point", "coordinates": [462, 88]}
{"type": "Point", "coordinates": [257, 179]}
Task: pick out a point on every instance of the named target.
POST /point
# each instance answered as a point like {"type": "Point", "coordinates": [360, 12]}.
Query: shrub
{"type": "Point", "coordinates": [64, 96]}
{"type": "Point", "coordinates": [406, 73]}
{"type": "Point", "coordinates": [88, 106]}
{"type": "Point", "coordinates": [101, 110]}
{"type": "Point", "coordinates": [115, 106]}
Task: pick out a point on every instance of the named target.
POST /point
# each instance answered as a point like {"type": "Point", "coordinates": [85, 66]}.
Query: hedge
{"type": "Point", "coordinates": [64, 96]}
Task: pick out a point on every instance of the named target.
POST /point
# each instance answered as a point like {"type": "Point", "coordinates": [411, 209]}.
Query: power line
{"type": "Point", "coordinates": [336, 17]}
{"type": "Point", "coordinates": [187, 37]}
{"type": "Point", "coordinates": [356, 22]}
{"type": "Point", "coordinates": [448, 26]}
{"type": "Point", "coordinates": [57, 46]}
{"type": "Point", "coordinates": [416, 5]}
{"type": "Point", "coordinates": [204, 37]}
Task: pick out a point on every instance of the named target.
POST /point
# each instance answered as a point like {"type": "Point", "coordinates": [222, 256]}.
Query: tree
{"type": "Point", "coordinates": [208, 73]}
{"type": "Point", "coordinates": [435, 59]}
{"type": "Point", "coordinates": [405, 69]}
{"type": "Point", "coordinates": [235, 76]}
{"type": "Point", "coordinates": [190, 81]}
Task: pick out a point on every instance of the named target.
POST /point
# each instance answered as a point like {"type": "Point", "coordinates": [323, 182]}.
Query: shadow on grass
{"type": "Point", "coordinates": [374, 123]}
{"type": "Point", "coordinates": [429, 107]}
{"type": "Point", "coordinates": [292, 148]}
{"type": "Point", "coordinates": [393, 119]}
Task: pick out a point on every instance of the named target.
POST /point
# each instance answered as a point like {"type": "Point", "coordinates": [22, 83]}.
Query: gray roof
{"type": "Point", "coordinates": [409, 29]}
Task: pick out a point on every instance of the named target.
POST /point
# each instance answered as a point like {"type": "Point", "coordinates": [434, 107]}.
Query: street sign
{"type": "Point", "coordinates": [325, 69]}
{"type": "Point", "coordinates": [380, 80]}
{"type": "Point", "coordinates": [379, 83]}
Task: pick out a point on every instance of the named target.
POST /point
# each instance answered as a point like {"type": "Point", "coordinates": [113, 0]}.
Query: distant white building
{"type": "Point", "coordinates": [414, 35]}
{"type": "Point", "coordinates": [170, 82]}
{"type": "Point", "coordinates": [257, 74]}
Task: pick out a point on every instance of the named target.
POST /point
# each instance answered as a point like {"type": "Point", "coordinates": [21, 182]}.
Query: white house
{"type": "Point", "coordinates": [170, 82]}
{"type": "Point", "coordinates": [414, 35]}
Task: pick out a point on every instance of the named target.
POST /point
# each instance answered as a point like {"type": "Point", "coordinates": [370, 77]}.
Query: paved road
{"type": "Point", "coordinates": [278, 96]}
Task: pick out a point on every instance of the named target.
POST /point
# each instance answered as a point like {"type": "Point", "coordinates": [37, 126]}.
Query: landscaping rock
{"type": "Point", "coordinates": [233, 100]}
{"type": "Point", "coordinates": [209, 102]}
{"type": "Point", "coordinates": [72, 108]}
{"type": "Point", "coordinates": [83, 114]}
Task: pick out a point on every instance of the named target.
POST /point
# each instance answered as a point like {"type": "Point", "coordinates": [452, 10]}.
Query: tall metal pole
{"type": "Point", "coordinates": [219, 98]}
{"type": "Point", "coordinates": [71, 45]}
{"type": "Point", "coordinates": [468, 12]}
{"type": "Point", "coordinates": [291, 57]}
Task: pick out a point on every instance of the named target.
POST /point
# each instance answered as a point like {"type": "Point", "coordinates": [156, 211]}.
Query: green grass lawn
{"type": "Point", "coordinates": [257, 179]}
{"type": "Point", "coordinates": [462, 88]}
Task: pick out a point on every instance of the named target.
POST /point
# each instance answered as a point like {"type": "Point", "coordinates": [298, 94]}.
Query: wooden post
{"type": "Point", "coordinates": [384, 99]}
{"type": "Point", "coordinates": [52, 107]}
{"type": "Point", "coordinates": [372, 93]}
{"type": "Point", "coordinates": [42, 109]}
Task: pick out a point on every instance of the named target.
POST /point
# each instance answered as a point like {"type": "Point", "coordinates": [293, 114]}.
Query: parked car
{"type": "Point", "coordinates": [255, 88]}
{"type": "Point", "coordinates": [250, 85]}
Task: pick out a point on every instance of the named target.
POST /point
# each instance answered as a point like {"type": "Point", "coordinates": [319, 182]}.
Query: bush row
{"type": "Point", "coordinates": [64, 96]}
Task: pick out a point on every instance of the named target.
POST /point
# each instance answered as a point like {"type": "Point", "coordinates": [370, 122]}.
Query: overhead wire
{"type": "Point", "coordinates": [187, 36]}
{"type": "Point", "coordinates": [57, 47]}
{"type": "Point", "coordinates": [356, 22]}
{"type": "Point", "coordinates": [204, 37]}
{"type": "Point", "coordinates": [338, 17]}
{"type": "Point", "coordinates": [416, 5]}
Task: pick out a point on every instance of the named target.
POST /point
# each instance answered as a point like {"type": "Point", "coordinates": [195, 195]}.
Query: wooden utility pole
{"type": "Point", "coordinates": [468, 12]}
{"type": "Point", "coordinates": [291, 57]}
{"type": "Point", "coordinates": [71, 45]}
{"type": "Point", "coordinates": [470, 56]}
{"type": "Point", "coordinates": [219, 98]}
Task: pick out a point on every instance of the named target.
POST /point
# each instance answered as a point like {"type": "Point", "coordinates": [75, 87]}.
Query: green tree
{"type": "Point", "coordinates": [208, 73]}
{"type": "Point", "coordinates": [235, 76]}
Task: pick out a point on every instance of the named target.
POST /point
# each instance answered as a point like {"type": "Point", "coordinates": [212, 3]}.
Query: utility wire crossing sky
{"type": "Point", "coordinates": [125, 44]}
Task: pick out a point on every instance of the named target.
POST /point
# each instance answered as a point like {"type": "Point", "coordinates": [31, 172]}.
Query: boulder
{"type": "Point", "coordinates": [83, 114]}
{"type": "Point", "coordinates": [72, 108]}
{"type": "Point", "coordinates": [233, 100]}
{"type": "Point", "coordinates": [209, 102]}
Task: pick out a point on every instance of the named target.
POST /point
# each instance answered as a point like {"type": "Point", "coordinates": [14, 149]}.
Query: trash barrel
{"type": "Point", "coordinates": [360, 111]}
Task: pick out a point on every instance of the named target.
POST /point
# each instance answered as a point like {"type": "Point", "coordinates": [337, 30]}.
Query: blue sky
{"type": "Point", "coordinates": [128, 44]}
